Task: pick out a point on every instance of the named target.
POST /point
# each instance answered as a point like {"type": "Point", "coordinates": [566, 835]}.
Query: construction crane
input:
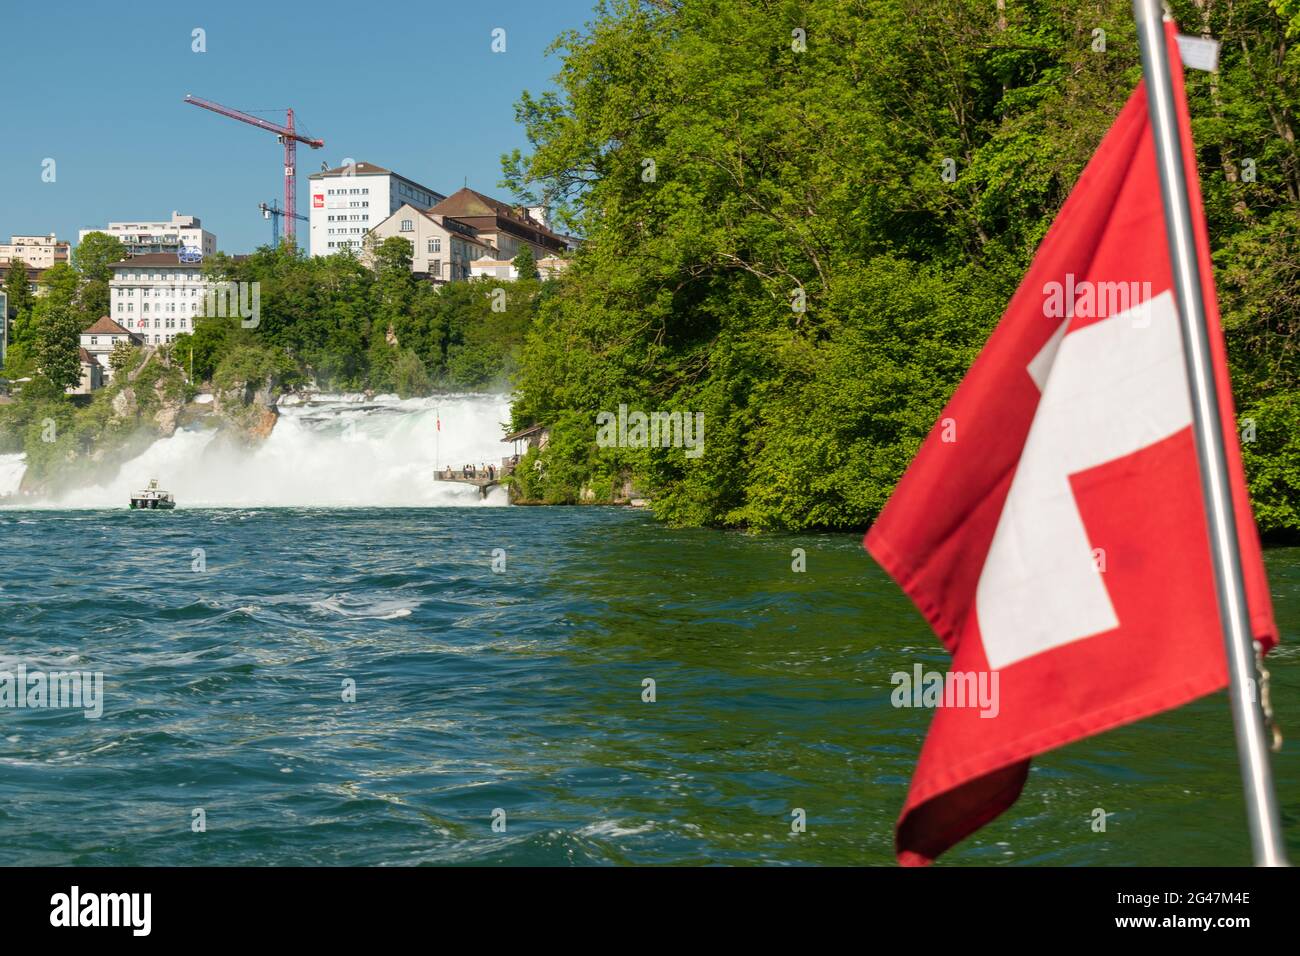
{"type": "Point", "coordinates": [287, 136]}
{"type": "Point", "coordinates": [273, 212]}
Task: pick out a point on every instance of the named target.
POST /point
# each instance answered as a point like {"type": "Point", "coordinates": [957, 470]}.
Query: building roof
{"type": "Point", "coordinates": [369, 169]}
{"type": "Point", "coordinates": [33, 272]}
{"type": "Point", "coordinates": [358, 169]}
{"type": "Point", "coordinates": [460, 229]}
{"type": "Point", "coordinates": [469, 204]}
{"type": "Point", "coordinates": [525, 432]}
{"type": "Point", "coordinates": [160, 259]}
{"type": "Point", "coordinates": [86, 357]}
{"type": "Point", "coordinates": [105, 326]}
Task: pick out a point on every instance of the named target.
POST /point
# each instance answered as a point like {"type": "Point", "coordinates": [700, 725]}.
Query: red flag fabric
{"type": "Point", "coordinates": [1051, 528]}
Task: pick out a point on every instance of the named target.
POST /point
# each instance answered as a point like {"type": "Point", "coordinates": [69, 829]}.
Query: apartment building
{"type": "Point", "coordinates": [469, 234]}
{"type": "Point", "coordinates": [39, 252]}
{"type": "Point", "coordinates": [34, 276]}
{"type": "Point", "coordinates": [504, 227]}
{"type": "Point", "coordinates": [97, 344]}
{"type": "Point", "coordinates": [156, 297]}
{"type": "Point", "coordinates": [347, 202]}
{"type": "Point", "coordinates": [143, 238]}
{"type": "Point", "coordinates": [441, 248]}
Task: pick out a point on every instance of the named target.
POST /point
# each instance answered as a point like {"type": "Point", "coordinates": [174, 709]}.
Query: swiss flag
{"type": "Point", "coordinates": [1051, 528]}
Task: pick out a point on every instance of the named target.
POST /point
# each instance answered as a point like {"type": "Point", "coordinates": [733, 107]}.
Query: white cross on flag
{"type": "Point", "coordinates": [1052, 527]}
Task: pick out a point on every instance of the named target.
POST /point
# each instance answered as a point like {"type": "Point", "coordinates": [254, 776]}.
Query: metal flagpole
{"type": "Point", "coordinates": [1261, 803]}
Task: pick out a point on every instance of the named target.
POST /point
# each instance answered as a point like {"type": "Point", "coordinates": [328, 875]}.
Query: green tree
{"type": "Point", "coordinates": [58, 284]}
{"type": "Point", "coordinates": [92, 259]}
{"type": "Point", "coordinates": [769, 241]}
{"type": "Point", "coordinates": [16, 286]}
{"type": "Point", "coordinates": [410, 377]}
{"type": "Point", "coordinates": [124, 356]}
{"type": "Point", "coordinates": [95, 254]}
{"type": "Point", "coordinates": [56, 353]}
{"type": "Point", "coordinates": [525, 264]}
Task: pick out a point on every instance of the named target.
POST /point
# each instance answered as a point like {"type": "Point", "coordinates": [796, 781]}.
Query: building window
{"type": "Point", "coordinates": [435, 244]}
{"type": "Point", "coordinates": [437, 267]}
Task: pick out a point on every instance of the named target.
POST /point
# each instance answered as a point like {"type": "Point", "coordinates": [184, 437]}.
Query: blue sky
{"type": "Point", "coordinates": [411, 86]}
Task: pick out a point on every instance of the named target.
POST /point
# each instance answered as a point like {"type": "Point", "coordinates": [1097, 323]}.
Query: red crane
{"type": "Point", "coordinates": [287, 135]}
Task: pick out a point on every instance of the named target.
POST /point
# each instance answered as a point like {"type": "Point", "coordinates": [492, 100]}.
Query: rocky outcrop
{"type": "Point", "coordinates": [166, 417]}
{"type": "Point", "coordinates": [260, 429]}
{"type": "Point", "coordinates": [124, 404]}
{"type": "Point", "coordinates": [249, 410]}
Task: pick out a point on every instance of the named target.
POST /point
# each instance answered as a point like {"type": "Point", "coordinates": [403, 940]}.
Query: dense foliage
{"type": "Point", "coordinates": [45, 330]}
{"type": "Point", "coordinates": [332, 322]}
{"type": "Point", "coordinates": [771, 239]}
{"type": "Point", "coordinates": [345, 325]}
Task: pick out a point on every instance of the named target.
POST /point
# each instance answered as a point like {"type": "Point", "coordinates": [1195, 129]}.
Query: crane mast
{"type": "Point", "coordinates": [273, 212]}
{"type": "Point", "coordinates": [288, 136]}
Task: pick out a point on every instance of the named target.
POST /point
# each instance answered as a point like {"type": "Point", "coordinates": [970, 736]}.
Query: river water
{"type": "Point", "coordinates": [336, 450]}
{"type": "Point", "coordinates": [520, 690]}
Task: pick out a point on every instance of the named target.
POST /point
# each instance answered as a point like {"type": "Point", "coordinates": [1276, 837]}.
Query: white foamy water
{"type": "Point", "coordinates": [11, 473]}
{"type": "Point", "coordinates": [335, 451]}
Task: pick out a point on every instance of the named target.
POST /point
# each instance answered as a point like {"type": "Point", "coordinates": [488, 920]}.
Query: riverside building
{"type": "Point", "coordinates": [97, 344]}
{"type": "Point", "coordinates": [156, 296]}
{"type": "Point", "coordinates": [469, 234]}
{"type": "Point", "coordinates": [143, 238]}
{"type": "Point", "coordinates": [347, 202]}
{"type": "Point", "coordinates": [38, 252]}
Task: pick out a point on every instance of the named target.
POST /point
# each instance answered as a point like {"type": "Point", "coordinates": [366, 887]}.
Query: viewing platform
{"type": "Point", "coordinates": [481, 478]}
{"type": "Point", "coordinates": [485, 477]}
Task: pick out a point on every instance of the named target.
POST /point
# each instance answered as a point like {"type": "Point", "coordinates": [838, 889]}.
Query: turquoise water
{"type": "Point", "coordinates": [522, 691]}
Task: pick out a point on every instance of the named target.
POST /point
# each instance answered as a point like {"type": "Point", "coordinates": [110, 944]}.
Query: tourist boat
{"type": "Point", "coordinates": [153, 498]}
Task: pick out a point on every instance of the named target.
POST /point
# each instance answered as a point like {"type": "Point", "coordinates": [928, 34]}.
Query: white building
{"type": "Point", "coordinates": [92, 373]}
{"type": "Point", "coordinates": [97, 343]}
{"type": "Point", "coordinates": [143, 238]}
{"type": "Point", "coordinates": [347, 202]}
{"type": "Point", "coordinates": [441, 248]}
{"type": "Point", "coordinates": [156, 297]}
{"type": "Point", "coordinates": [39, 252]}
{"type": "Point", "coordinates": [469, 234]}
{"type": "Point", "coordinates": [548, 268]}
{"type": "Point", "coordinates": [505, 228]}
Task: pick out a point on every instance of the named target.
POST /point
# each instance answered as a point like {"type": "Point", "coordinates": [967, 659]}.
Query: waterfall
{"type": "Point", "coordinates": [326, 451]}
{"type": "Point", "coordinates": [11, 473]}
